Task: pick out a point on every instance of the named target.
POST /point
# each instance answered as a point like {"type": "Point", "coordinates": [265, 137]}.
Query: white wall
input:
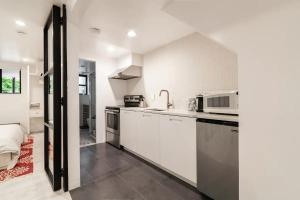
{"type": "Point", "coordinates": [186, 67]}
{"type": "Point", "coordinates": [268, 48]}
{"type": "Point", "coordinates": [36, 91]}
{"type": "Point", "coordinates": [108, 92]}
{"type": "Point", "coordinates": [14, 107]}
{"type": "Point", "coordinates": [73, 107]}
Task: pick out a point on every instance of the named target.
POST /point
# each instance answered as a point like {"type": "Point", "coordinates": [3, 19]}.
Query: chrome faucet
{"type": "Point", "coordinates": [168, 98]}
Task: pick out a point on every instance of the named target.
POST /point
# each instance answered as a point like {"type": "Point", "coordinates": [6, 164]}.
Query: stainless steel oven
{"type": "Point", "coordinates": [112, 121]}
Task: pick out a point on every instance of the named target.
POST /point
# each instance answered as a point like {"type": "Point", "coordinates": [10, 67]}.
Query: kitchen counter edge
{"type": "Point", "coordinates": [185, 113]}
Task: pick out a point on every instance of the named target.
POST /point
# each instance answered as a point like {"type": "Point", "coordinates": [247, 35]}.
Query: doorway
{"type": "Point", "coordinates": [87, 102]}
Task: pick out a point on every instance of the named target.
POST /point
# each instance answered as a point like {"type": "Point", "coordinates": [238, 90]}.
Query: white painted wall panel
{"type": "Point", "coordinates": [268, 48]}
{"type": "Point", "coordinates": [186, 67]}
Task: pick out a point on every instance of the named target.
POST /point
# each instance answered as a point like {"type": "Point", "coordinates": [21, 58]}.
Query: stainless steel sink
{"type": "Point", "coordinates": [155, 109]}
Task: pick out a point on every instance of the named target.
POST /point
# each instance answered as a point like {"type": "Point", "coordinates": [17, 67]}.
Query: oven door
{"type": "Point", "coordinates": [112, 118]}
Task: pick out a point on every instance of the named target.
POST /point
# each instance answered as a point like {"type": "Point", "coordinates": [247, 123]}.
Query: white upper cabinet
{"type": "Point", "coordinates": [148, 142]}
{"type": "Point", "coordinates": [178, 145]}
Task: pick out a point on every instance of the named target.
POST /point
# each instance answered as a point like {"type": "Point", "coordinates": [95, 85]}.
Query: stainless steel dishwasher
{"type": "Point", "coordinates": [217, 159]}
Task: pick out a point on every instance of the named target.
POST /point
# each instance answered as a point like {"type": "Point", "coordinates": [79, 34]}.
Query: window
{"type": "Point", "coordinates": [10, 81]}
{"type": "Point", "coordinates": [83, 89]}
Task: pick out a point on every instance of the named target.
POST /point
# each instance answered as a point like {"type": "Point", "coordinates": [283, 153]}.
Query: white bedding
{"type": "Point", "coordinates": [11, 138]}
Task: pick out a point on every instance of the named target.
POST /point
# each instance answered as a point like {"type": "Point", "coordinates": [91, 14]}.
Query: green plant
{"type": "Point", "coordinates": [7, 85]}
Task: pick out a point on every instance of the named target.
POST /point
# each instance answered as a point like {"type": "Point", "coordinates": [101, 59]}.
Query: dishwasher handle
{"type": "Point", "coordinates": [218, 122]}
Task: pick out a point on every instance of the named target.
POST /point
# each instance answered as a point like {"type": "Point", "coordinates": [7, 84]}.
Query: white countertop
{"type": "Point", "coordinates": [185, 113]}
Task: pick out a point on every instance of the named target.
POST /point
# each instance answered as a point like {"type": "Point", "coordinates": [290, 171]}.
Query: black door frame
{"type": "Point", "coordinates": [57, 126]}
{"type": "Point", "coordinates": [65, 102]}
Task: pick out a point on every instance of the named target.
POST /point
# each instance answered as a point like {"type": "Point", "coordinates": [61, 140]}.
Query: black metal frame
{"type": "Point", "coordinates": [86, 83]}
{"type": "Point", "coordinates": [65, 102]}
{"type": "Point", "coordinates": [0, 81]}
{"type": "Point", "coordinates": [20, 76]}
{"type": "Point", "coordinates": [55, 177]}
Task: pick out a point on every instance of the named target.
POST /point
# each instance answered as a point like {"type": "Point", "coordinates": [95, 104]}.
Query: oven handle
{"type": "Point", "coordinates": [112, 112]}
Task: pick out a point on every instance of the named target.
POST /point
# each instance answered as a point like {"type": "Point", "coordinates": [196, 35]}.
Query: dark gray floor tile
{"type": "Point", "coordinates": [117, 161]}
{"type": "Point", "coordinates": [86, 137]}
{"type": "Point", "coordinates": [115, 188]}
{"type": "Point", "coordinates": [154, 172]}
{"type": "Point", "coordinates": [182, 190]}
{"type": "Point", "coordinates": [157, 191]}
{"type": "Point", "coordinates": [98, 169]}
{"type": "Point", "coordinates": [110, 188]}
{"type": "Point", "coordinates": [136, 178]}
{"type": "Point", "coordinates": [85, 177]}
{"type": "Point", "coordinates": [110, 174]}
{"type": "Point", "coordinates": [131, 159]}
{"type": "Point", "coordinates": [104, 150]}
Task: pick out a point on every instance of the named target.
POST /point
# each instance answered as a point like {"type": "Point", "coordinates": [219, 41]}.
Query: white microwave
{"type": "Point", "coordinates": [225, 102]}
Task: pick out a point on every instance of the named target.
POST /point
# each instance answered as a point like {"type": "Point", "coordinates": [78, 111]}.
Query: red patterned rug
{"type": "Point", "coordinates": [24, 165]}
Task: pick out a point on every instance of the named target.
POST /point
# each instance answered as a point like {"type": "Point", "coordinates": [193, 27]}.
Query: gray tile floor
{"type": "Point", "coordinates": [110, 174]}
{"type": "Point", "coordinates": [86, 137]}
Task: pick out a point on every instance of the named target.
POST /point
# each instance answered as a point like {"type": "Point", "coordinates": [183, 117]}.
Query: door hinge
{"type": "Point", "coordinates": [61, 21]}
{"type": "Point", "coordinates": [62, 172]}
{"type": "Point", "coordinates": [62, 101]}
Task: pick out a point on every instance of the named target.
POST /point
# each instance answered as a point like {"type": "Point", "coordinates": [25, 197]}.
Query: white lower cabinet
{"type": "Point", "coordinates": [148, 138]}
{"type": "Point", "coordinates": [169, 141]}
{"type": "Point", "coordinates": [129, 127]}
{"type": "Point", "coordinates": [178, 145]}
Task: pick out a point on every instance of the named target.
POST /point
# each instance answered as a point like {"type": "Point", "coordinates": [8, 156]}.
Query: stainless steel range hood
{"type": "Point", "coordinates": [127, 73]}
{"type": "Point", "coordinates": [130, 66]}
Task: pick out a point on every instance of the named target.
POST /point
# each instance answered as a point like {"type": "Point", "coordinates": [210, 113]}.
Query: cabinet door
{"type": "Point", "coordinates": [124, 117]}
{"type": "Point", "coordinates": [126, 126]}
{"type": "Point", "coordinates": [178, 145]}
{"type": "Point", "coordinates": [129, 129]}
{"type": "Point", "coordinates": [148, 144]}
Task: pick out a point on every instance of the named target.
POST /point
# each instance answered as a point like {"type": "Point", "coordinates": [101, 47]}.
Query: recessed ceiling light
{"type": "Point", "coordinates": [20, 23]}
{"type": "Point", "coordinates": [131, 33]}
{"type": "Point", "coordinates": [110, 48]}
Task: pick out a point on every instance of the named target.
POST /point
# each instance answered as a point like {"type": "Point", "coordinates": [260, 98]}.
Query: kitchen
{"type": "Point", "coordinates": [159, 142]}
{"type": "Point", "coordinates": [162, 115]}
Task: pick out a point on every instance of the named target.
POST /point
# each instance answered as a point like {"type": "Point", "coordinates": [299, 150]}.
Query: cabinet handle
{"type": "Point", "coordinates": [177, 120]}
{"type": "Point", "coordinates": [234, 131]}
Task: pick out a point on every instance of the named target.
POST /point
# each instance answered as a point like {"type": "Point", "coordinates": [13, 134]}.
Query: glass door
{"type": "Point", "coordinates": [55, 99]}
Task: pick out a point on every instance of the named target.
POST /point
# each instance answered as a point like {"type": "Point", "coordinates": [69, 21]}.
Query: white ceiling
{"type": "Point", "coordinates": [16, 47]}
{"type": "Point", "coordinates": [115, 18]}
{"type": "Point", "coordinates": [209, 16]}
{"type": "Point", "coordinates": [156, 23]}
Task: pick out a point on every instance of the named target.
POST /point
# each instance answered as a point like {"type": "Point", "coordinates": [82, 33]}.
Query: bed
{"type": "Point", "coordinates": [11, 138]}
